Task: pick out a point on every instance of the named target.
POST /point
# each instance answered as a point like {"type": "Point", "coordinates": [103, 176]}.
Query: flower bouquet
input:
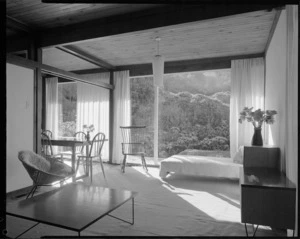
{"type": "Point", "coordinates": [257, 118]}
{"type": "Point", "coordinates": [88, 129]}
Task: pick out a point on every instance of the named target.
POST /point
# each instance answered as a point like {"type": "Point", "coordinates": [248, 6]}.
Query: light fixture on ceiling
{"type": "Point", "coordinates": [158, 67]}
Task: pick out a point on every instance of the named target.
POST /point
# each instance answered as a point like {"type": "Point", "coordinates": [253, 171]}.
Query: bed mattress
{"type": "Point", "coordinates": [200, 165]}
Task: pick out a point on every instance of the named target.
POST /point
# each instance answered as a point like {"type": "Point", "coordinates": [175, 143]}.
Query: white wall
{"type": "Point", "coordinates": [20, 121]}
{"type": "Point", "coordinates": [276, 84]}
{"type": "Point", "coordinates": [277, 98]}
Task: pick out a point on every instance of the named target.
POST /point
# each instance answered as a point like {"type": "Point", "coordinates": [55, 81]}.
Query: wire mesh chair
{"type": "Point", "coordinates": [133, 144]}
{"type": "Point", "coordinates": [94, 152]}
{"type": "Point", "coordinates": [44, 171]}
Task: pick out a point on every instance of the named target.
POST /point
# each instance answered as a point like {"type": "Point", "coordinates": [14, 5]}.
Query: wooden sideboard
{"type": "Point", "coordinates": [268, 197]}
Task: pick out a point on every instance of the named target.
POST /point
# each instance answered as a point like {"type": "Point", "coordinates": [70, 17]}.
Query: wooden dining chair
{"type": "Point", "coordinates": [80, 135]}
{"type": "Point", "coordinates": [47, 150]}
{"type": "Point", "coordinates": [48, 133]}
{"type": "Point", "coordinates": [133, 144]}
{"type": "Point", "coordinates": [94, 152]}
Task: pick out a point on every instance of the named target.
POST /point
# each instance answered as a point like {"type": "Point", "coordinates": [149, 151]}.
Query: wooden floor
{"type": "Point", "coordinates": [176, 206]}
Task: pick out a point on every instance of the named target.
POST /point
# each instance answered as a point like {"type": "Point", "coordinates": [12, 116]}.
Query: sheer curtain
{"type": "Point", "coordinates": [247, 90]}
{"type": "Point", "coordinates": [122, 111]}
{"type": "Point", "coordinates": [291, 116]}
{"type": "Point", "coordinates": [93, 108]}
{"type": "Point", "coordinates": [52, 107]}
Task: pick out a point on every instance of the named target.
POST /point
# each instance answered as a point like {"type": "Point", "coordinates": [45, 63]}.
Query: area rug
{"type": "Point", "coordinates": [177, 206]}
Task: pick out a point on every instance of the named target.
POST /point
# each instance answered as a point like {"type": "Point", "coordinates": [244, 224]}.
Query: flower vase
{"type": "Point", "coordinates": [88, 136]}
{"type": "Point", "coordinates": [257, 138]}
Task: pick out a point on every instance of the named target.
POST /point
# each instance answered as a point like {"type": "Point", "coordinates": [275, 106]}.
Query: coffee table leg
{"type": "Point", "coordinates": [27, 230]}
{"type": "Point", "coordinates": [132, 200]}
{"type": "Point", "coordinates": [73, 163]}
{"type": "Point", "coordinates": [132, 211]}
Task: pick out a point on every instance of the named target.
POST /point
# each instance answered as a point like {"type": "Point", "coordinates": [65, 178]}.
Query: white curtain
{"type": "Point", "coordinates": [52, 107]}
{"type": "Point", "coordinates": [93, 108]}
{"type": "Point", "coordinates": [291, 116]}
{"type": "Point", "coordinates": [247, 90]}
{"type": "Point", "coordinates": [122, 111]}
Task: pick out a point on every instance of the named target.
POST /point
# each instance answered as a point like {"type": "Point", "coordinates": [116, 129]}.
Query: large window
{"type": "Point", "coordinates": [194, 114]}
{"type": "Point", "coordinates": [142, 106]}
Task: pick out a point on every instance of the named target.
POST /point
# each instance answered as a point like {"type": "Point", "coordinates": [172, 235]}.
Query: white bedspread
{"type": "Point", "coordinates": [200, 165]}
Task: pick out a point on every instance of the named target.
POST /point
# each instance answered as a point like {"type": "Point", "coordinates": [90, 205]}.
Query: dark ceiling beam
{"type": "Point", "coordinates": [75, 51]}
{"type": "Point", "coordinates": [178, 66]}
{"type": "Point", "coordinates": [50, 70]}
{"type": "Point", "coordinates": [17, 25]}
{"type": "Point", "coordinates": [18, 43]}
{"type": "Point", "coordinates": [143, 20]}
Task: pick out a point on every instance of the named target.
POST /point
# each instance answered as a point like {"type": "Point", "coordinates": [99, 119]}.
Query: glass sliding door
{"type": "Point", "coordinates": [70, 105]}
{"type": "Point", "coordinates": [67, 100]}
{"type": "Point", "coordinates": [142, 110]}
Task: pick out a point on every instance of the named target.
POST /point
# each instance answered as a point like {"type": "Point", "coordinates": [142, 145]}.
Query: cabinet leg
{"type": "Point", "coordinates": [246, 230]}
{"type": "Point", "coordinates": [254, 231]}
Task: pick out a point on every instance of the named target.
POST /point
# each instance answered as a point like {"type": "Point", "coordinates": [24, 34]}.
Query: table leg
{"type": "Point", "coordinates": [73, 163]}
{"type": "Point", "coordinates": [132, 211]}
{"type": "Point", "coordinates": [86, 160]}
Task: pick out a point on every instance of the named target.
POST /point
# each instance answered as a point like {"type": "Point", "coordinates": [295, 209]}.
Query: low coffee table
{"type": "Point", "coordinates": [74, 207]}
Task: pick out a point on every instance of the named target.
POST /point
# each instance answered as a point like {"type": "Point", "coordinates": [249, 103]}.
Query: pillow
{"type": "Point", "coordinates": [34, 160]}
{"type": "Point", "coordinates": [239, 156]}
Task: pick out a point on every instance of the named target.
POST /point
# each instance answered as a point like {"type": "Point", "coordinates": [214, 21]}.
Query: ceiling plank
{"type": "Point", "coordinates": [75, 51]}
{"type": "Point", "coordinates": [143, 20]}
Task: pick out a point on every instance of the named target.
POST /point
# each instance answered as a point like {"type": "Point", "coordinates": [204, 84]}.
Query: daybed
{"type": "Point", "coordinates": [200, 166]}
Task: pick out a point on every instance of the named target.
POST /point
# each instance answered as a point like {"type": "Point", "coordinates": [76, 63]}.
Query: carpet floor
{"type": "Point", "coordinates": [177, 206]}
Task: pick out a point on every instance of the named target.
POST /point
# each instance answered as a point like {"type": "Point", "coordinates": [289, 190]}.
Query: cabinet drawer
{"type": "Point", "coordinates": [273, 207]}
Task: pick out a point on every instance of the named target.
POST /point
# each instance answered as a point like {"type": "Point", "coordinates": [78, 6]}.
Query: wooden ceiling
{"type": "Point", "coordinates": [241, 34]}
{"type": "Point", "coordinates": [37, 15]}
{"type": "Point", "coordinates": [111, 36]}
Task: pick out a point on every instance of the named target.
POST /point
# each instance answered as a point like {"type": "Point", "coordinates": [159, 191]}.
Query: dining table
{"type": "Point", "coordinates": [72, 143]}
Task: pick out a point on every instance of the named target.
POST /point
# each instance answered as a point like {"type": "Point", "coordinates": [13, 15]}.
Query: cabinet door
{"type": "Point", "coordinates": [256, 156]}
{"type": "Point", "coordinates": [273, 207]}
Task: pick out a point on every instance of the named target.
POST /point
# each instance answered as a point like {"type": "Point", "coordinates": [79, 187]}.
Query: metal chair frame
{"type": "Point", "coordinates": [43, 178]}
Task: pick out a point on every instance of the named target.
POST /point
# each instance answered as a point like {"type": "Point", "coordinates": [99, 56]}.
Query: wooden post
{"type": "Point", "coordinates": [111, 116]}
{"type": "Point", "coordinates": [155, 122]}
{"type": "Point", "coordinates": [35, 54]}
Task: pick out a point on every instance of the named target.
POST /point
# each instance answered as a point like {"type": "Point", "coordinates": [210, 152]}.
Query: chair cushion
{"type": "Point", "coordinates": [34, 160]}
{"type": "Point", "coordinates": [60, 169]}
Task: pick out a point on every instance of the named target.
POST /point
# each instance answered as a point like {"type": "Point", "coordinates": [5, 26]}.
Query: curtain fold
{"type": "Point", "coordinates": [52, 107]}
{"type": "Point", "coordinates": [292, 93]}
{"type": "Point", "coordinates": [93, 108]}
{"type": "Point", "coordinates": [247, 90]}
{"type": "Point", "coordinates": [122, 111]}
{"type": "Point", "coordinates": [291, 116]}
